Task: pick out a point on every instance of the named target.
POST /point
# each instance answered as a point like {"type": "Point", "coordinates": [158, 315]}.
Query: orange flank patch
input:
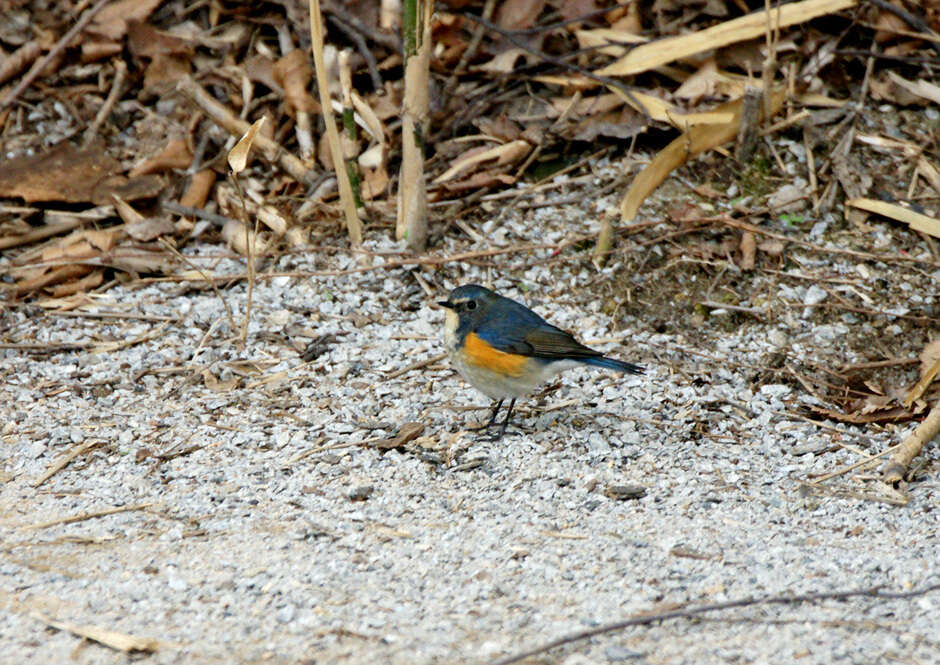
{"type": "Point", "coordinates": [481, 354]}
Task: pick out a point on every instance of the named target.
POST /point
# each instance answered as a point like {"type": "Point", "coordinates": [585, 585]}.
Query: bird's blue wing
{"type": "Point", "coordinates": [514, 328]}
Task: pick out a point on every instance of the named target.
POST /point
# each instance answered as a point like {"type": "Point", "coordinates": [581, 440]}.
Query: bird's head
{"type": "Point", "coordinates": [467, 304]}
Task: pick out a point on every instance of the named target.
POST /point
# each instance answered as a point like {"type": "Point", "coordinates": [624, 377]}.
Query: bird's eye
{"type": "Point", "coordinates": [471, 305]}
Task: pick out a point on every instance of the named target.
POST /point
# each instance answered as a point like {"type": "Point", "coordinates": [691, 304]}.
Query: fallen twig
{"type": "Point", "coordinates": [88, 516]}
{"type": "Point", "coordinates": [910, 448]}
{"type": "Point", "coordinates": [63, 462]}
{"type": "Point", "coordinates": [417, 365]}
{"type": "Point", "coordinates": [117, 86]}
{"type": "Point", "coordinates": [647, 619]}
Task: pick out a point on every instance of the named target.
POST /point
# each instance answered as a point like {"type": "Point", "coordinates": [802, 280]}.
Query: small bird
{"type": "Point", "coordinates": [505, 350]}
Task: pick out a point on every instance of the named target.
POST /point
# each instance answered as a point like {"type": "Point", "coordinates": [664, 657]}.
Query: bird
{"type": "Point", "coordinates": [505, 350]}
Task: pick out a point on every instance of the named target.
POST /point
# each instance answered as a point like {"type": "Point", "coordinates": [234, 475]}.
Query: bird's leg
{"type": "Point", "coordinates": [492, 419]}
{"type": "Point", "coordinates": [502, 428]}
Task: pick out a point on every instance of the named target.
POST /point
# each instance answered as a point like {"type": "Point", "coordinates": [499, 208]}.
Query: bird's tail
{"type": "Point", "coordinates": [610, 363]}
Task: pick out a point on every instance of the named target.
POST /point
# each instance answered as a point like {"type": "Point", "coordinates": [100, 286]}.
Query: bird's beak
{"type": "Point", "coordinates": [445, 304]}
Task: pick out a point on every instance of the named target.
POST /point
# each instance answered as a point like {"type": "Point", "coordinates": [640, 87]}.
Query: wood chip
{"type": "Point", "coordinates": [110, 638]}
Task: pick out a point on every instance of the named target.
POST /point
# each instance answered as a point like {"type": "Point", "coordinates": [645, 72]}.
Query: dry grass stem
{"type": "Point", "coordinates": [353, 225]}
{"type": "Point", "coordinates": [109, 638]}
{"type": "Point", "coordinates": [87, 516]}
{"type": "Point", "coordinates": [66, 459]}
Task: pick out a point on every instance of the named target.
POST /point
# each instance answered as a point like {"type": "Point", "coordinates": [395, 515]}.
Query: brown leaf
{"type": "Point", "coordinates": [92, 51]}
{"type": "Point", "coordinates": [145, 41]}
{"type": "Point", "coordinates": [72, 248]}
{"type": "Point", "coordinates": [519, 14]}
{"type": "Point", "coordinates": [293, 73]}
{"type": "Point", "coordinates": [217, 386]}
{"type": "Point", "coordinates": [479, 180]}
{"type": "Point", "coordinates": [572, 9]}
{"type": "Point", "coordinates": [138, 260]}
{"type": "Point", "coordinates": [175, 155]}
{"type": "Point", "coordinates": [406, 433]}
{"type": "Point", "coordinates": [260, 69]}
{"type": "Point", "coordinates": [90, 281]}
{"type": "Point", "coordinates": [164, 71]}
{"type": "Point", "coordinates": [102, 240]}
{"type": "Point", "coordinates": [929, 356]}
{"type": "Point", "coordinates": [238, 155]}
{"type": "Point", "coordinates": [112, 21]}
{"type": "Point", "coordinates": [501, 127]}
{"type": "Point", "coordinates": [54, 276]}
{"type": "Point", "coordinates": [67, 173]}
{"type": "Point", "coordinates": [19, 60]}
{"type": "Point", "coordinates": [141, 187]}
{"type": "Point", "coordinates": [771, 247]}
{"type": "Point", "coordinates": [149, 228]}
{"type": "Point", "coordinates": [374, 182]}
{"type": "Point", "coordinates": [200, 185]}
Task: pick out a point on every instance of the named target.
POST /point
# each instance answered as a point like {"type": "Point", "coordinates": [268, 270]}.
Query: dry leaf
{"type": "Point", "coordinates": [89, 281]}
{"type": "Point", "coordinates": [149, 228]}
{"type": "Point", "coordinates": [125, 211]}
{"type": "Point", "coordinates": [920, 88]}
{"type": "Point", "coordinates": [112, 21]}
{"type": "Point", "coordinates": [238, 156]}
{"type": "Point", "coordinates": [293, 73]}
{"type": "Point", "coordinates": [503, 63]}
{"type": "Point", "coordinates": [217, 386]}
{"type": "Point", "coordinates": [237, 236]}
{"type": "Point", "coordinates": [506, 153]}
{"type": "Point", "coordinates": [929, 357]}
{"type": "Point", "coordinates": [200, 185]}
{"type": "Point", "coordinates": [607, 40]}
{"type": "Point", "coordinates": [175, 155]}
{"type": "Point", "coordinates": [64, 173]}
{"type": "Point", "coordinates": [663, 51]}
{"type": "Point", "coordinates": [518, 14]}
{"type": "Point", "coordinates": [137, 260]}
{"type": "Point", "coordinates": [916, 220]}
{"type": "Point", "coordinates": [697, 139]}
{"type": "Point", "coordinates": [145, 41]}
{"type": "Point", "coordinates": [771, 247]}
{"type": "Point", "coordinates": [165, 70]}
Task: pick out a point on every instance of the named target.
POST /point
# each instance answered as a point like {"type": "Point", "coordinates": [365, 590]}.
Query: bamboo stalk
{"type": "Point", "coordinates": [412, 219]}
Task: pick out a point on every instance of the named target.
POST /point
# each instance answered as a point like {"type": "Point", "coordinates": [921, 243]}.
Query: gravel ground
{"type": "Point", "coordinates": [264, 525]}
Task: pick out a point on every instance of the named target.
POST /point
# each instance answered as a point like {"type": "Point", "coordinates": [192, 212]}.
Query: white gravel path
{"type": "Point", "coordinates": [455, 550]}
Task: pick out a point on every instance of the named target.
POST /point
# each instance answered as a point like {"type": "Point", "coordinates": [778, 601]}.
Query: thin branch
{"type": "Point", "coordinates": [647, 619]}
